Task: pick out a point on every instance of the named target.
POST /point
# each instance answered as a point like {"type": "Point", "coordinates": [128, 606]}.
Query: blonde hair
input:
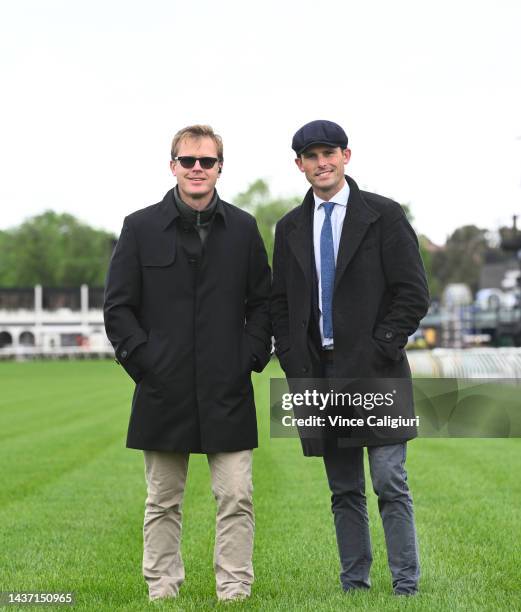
{"type": "Point", "coordinates": [197, 131]}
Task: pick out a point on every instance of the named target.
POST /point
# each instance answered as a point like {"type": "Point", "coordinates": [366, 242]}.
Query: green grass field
{"type": "Point", "coordinates": [72, 498]}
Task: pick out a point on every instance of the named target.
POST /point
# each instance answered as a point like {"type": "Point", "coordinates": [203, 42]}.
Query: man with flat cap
{"type": "Point", "coordinates": [348, 289]}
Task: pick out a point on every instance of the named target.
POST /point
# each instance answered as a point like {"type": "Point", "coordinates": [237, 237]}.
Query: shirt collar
{"type": "Point", "coordinates": [340, 198]}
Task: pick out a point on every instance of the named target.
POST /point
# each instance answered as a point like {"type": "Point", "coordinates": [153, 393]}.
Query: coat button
{"type": "Point", "coordinates": [124, 354]}
{"type": "Point", "coordinates": [304, 370]}
{"type": "Point", "coordinates": [388, 335]}
{"type": "Point", "coordinates": [304, 323]}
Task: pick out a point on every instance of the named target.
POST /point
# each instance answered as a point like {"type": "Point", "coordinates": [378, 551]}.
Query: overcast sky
{"type": "Point", "coordinates": [429, 94]}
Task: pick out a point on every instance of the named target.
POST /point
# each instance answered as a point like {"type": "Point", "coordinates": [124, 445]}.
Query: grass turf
{"type": "Point", "coordinates": [72, 496]}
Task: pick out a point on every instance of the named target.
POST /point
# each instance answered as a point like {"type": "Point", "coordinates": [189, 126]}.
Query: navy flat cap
{"type": "Point", "coordinates": [319, 132]}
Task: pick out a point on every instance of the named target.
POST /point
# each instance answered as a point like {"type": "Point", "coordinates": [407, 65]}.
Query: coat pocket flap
{"type": "Point", "coordinates": [158, 256]}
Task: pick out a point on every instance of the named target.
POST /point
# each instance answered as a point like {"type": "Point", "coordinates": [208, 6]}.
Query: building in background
{"type": "Point", "coordinates": [55, 322]}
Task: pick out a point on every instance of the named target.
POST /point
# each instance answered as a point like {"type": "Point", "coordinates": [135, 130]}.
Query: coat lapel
{"type": "Point", "coordinates": [300, 238]}
{"type": "Point", "coordinates": [359, 217]}
{"type": "Point", "coordinates": [160, 248]}
{"type": "Point", "coordinates": [168, 210]}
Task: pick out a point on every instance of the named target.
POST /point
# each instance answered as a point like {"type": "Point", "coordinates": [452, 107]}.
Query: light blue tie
{"type": "Point", "coordinates": [327, 270]}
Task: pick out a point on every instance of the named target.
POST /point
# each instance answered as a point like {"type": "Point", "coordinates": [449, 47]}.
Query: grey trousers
{"type": "Point", "coordinates": [345, 472]}
{"type": "Point", "coordinates": [232, 487]}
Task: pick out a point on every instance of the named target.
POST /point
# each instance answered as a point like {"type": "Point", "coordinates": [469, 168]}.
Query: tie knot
{"type": "Point", "coordinates": [328, 207]}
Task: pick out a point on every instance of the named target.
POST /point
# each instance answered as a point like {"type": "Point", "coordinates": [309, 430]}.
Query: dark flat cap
{"type": "Point", "coordinates": [319, 132]}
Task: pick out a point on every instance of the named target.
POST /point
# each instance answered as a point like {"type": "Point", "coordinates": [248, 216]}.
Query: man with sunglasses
{"type": "Point", "coordinates": [186, 309]}
{"type": "Point", "coordinates": [348, 289]}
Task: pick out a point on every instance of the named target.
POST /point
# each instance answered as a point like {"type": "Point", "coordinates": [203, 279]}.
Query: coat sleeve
{"type": "Point", "coordinates": [122, 301]}
{"type": "Point", "coordinates": [258, 325]}
{"type": "Point", "coordinates": [407, 283]}
{"type": "Point", "coordinates": [279, 300]}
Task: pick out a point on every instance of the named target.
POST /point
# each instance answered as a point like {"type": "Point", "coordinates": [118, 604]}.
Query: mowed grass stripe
{"type": "Point", "coordinates": [291, 497]}
{"type": "Point", "coordinates": [34, 466]}
{"type": "Point", "coordinates": [78, 527]}
{"type": "Point", "coordinates": [65, 396]}
{"type": "Point", "coordinates": [467, 507]}
{"type": "Point", "coordinates": [43, 454]}
{"type": "Point", "coordinates": [30, 420]}
{"type": "Point", "coordinates": [85, 535]}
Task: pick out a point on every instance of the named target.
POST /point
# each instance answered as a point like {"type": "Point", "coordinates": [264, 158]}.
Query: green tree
{"type": "Point", "coordinates": [461, 259]}
{"type": "Point", "coordinates": [267, 210]}
{"type": "Point", "coordinates": [408, 212]}
{"type": "Point", "coordinates": [426, 255]}
{"type": "Point", "coordinates": [54, 249]}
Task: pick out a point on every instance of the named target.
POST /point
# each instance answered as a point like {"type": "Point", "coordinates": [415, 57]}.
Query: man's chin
{"type": "Point", "coordinates": [324, 185]}
{"type": "Point", "coordinates": [199, 195]}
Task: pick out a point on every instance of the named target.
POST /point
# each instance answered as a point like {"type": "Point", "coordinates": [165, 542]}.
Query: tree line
{"type": "Point", "coordinates": [57, 250]}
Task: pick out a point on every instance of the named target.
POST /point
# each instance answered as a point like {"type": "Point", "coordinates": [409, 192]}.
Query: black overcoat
{"type": "Point", "coordinates": [189, 323]}
{"type": "Point", "coordinates": [380, 294]}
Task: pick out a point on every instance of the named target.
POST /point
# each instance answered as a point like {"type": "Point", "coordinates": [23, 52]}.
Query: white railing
{"type": "Point", "coordinates": [467, 363]}
{"type": "Point", "coordinates": [22, 353]}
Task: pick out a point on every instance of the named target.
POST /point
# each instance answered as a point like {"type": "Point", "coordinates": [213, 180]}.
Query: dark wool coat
{"type": "Point", "coordinates": [380, 295]}
{"type": "Point", "coordinates": [189, 323]}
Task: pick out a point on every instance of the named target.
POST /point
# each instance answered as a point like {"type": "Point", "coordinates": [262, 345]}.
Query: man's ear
{"type": "Point", "coordinates": [173, 167]}
{"type": "Point", "coordinates": [298, 161]}
{"type": "Point", "coordinates": [347, 156]}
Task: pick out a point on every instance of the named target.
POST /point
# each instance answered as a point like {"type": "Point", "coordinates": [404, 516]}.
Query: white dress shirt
{"type": "Point", "coordinates": [337, 221]}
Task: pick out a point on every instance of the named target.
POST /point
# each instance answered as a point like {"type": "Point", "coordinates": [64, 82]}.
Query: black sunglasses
{"type": "Point", "coordinates": [187, 161]}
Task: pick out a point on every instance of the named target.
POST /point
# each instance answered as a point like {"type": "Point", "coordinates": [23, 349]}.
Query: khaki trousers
{"type": "Point", "coordinates": [232, 488]}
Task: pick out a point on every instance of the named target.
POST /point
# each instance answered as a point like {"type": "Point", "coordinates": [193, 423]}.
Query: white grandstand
{"type": "Point", "coordinates": [54, 322]}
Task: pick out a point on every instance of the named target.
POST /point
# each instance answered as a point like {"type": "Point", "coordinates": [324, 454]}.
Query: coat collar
{"type": "Point", "coordinates": [169, 212]}
{"type": "Point", "coordinates": [359, 216]}
{"type": "Point", "coordinates": [300, 238]}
